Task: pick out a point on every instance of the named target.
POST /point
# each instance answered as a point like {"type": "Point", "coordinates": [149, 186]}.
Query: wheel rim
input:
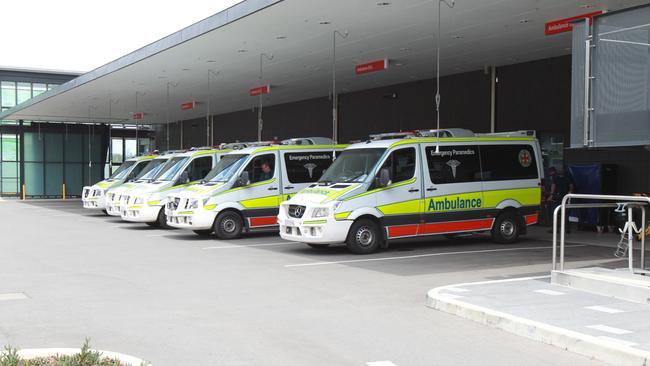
{"type": "Point", "coordinates": [365, 236]}
{"type": "Point", "coordinates": [507, 228]}
{"type": "Point", "coordinates": [228, 225]}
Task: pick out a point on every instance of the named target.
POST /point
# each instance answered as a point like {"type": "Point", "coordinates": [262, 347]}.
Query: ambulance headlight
{"type": "Point", "coordinates": [101, 192]}
{"type": "Point", "coordinates": [321, 212]}
{"type": "Point", "coordinates": [138, 201]}
{"type": "Point", "coordinates": [193, 204]}
{"type": "Point", "coordinates": [205, 201]}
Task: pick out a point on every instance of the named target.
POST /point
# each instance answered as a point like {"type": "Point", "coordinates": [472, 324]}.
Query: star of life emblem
{"type": "Point", "coordinates": [453, 164]}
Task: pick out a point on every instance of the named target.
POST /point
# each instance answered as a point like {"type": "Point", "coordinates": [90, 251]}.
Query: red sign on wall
{"type": "Point", "coordinates": [371, 66]}
{"type": "Point", "coordinates": [259, 90]}
{"type": "Point", "coordinates": [138, 115]}
{"type": "Point", "coordinates": [565, 25]}
{"type": "Point", "coordinates": [188, 105]}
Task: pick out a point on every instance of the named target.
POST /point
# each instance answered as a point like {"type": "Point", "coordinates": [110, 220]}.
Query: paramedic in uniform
{"type": "Point", "coordinates": [266, 173]}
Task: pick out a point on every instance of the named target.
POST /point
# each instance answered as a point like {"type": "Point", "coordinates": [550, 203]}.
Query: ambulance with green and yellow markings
{"type": "Point", "coordinates": [94, 197]}
{"type": "Point", "coordinates": [147, 175]}
{"type": "Point", "coordinates": [242, 193]}
{"type": "Point", "coordinates": [451, 182]}
{"type": "Point", "coordinates": [145, 203]}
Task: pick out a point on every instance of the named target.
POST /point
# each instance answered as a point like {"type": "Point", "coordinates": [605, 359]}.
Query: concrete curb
{"type": "Point", "coordinates": [583, 344]}
{"type": "Point", "coordinates": [30, 353]}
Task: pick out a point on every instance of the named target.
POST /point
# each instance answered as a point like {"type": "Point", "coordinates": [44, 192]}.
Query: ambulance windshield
{"type": "Point", "coordinates": [169, 170]}
{"type": "Point", "coordinates": [151, 169]}
{"type": "Point", "coordinates": [226, 168]}
{"type": "Point", "coordinates": [352, 166]}
{"type": "Point", "coordinates": [123, 170]}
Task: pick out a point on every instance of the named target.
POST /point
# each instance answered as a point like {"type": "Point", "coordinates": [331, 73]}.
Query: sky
{"type": "Point", "coordinates": [81, 35]}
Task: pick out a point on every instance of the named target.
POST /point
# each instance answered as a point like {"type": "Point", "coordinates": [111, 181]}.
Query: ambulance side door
{"type": "Point", "coordinates": [453, 190]}
{"type": "Point", "coordinates": [301, 168]}
{"type": "Point", "coordinates": [399, 201]}
{"type": "Point", "coordinates": [261, 196]}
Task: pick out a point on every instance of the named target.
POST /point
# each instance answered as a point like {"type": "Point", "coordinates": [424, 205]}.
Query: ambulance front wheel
{"type": "Point", "coordinates": [364, 237]}
{"type": "Point", "coordinates": [228, 225]}
{"type": "Point", "coordinates": [162, 219]}
{"type": "Point", "coordinates": [506, 228]}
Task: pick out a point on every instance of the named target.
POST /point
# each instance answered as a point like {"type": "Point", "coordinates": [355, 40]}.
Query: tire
{"type": "Point", "coordinates": [207, 232]}
{"type": "Point", "coordinates": [506, 228]}
{"type": "Point", "coordinates": [319, 246]}
{"type": "Point", "coordinates": [365, 237]}
{"type": "Point", "coordinates": [162, 219]}
{"type": "Point", "coordinates": [228, 225]}
{"type": "Point", "coordinates": [105, 212]}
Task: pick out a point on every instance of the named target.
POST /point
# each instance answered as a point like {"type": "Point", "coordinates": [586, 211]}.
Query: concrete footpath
{"type": "Point", "coordinates": [600, 327]}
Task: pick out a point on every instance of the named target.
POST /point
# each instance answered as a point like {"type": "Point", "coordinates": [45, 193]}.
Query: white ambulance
{"type": "Point", "coordinates": [94, 197]}
{"type": "Point", "coordinates": [243, 191]}
{"type": "Point", "coordinates": [145, 203]}
{"type": "Point", "coordinates": [387, 189]}
{"type": "Point", "coordinates": [153, 167]}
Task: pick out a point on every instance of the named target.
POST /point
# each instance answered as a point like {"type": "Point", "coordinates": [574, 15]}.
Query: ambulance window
{"type": "Point", "coordinates": [138, 168]}
{"type": "Point", "coordinates": [305, 167]}
{"type": "Point", "coordinates": [199, 168]}
{"type": "Point", "coordinates": [400, 164]}
{"type": "Point", "coordinates": [261, 168]}
{"type": "Point", "coordinates": [508, 162]}
{"type": "Point", "coordinates": [453, 164]}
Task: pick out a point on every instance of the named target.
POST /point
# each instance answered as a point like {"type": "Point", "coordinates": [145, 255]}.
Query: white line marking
{"type": "Point", "coordinates": [618, 341]}
{"type": "Point", "coordinates": [604, 309]}
{"type": "Point", "coordinates": [424, 255]}
{"type": "Point", "coordinates": [13, 296]}
{"type": "Point", "coordinates": [380, 363]}
{"type": "Point", "coordinates": [457, 289]}
{"type": "Point", "coordinates": [608, 329]}
{"type": "Point", "coordinates": [550, 292]}
{"type": "Point", "coordinates": [451, 296]}
{"type": "Point", "coordinates": [251, 245]}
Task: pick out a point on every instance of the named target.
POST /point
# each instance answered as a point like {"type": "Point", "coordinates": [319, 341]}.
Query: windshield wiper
{"type": "Point", "coordinates": [325, 183]}
{"type": "Point", "coordinates": [353, 179]}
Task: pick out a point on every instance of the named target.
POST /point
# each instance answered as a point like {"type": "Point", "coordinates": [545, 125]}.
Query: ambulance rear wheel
{"type": "Point", "coordinates": [162, 219]}
{"type": "Point", "coordinates": [506, 228]}
{"type": "Point", "coordinates": [203, 232]}
{"type": "Point", "coordinates": [364, 237]}
{"type": "Point", "coordinates": [228, 225]}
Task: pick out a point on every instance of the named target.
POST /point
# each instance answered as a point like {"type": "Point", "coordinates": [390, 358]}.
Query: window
{"type": "Point", "coordinates": [453, 164]}
{"type": "Point", "coordinates": [117, 150]}
{"type": "Point", "coordinates": [352, 165]}
{"type": "Point", "coordinates": [24, 92]}
{"type": "Point", "coordinates": [226, 167]}
{"type": "Point", "coordinates": [199, 168]}
{"type": "Point", "coordinates": [38, 89]}
{"type": "Point", "coordinates": [138, 169]}
{"type": "Point", "coordinates": [305, 167]}
{"type": "Point", "coordinates": [8, 95]}
{"type": "Point", "coordinates": [130, 148]}
{"type": "Point", "coordinates": [400, 164]}
{"type": "Point", "coordinates": [506, 162]}
{"type": "Point", "coordinates": [261, 168]}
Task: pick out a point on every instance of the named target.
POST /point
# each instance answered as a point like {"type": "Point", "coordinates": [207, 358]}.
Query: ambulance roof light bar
{"type": "Point", "coordinates": [445, 132]}
{"type": "Point", "coordinates": [530, 133]}
{"type": "Point", "coordinates": [390, 135]}
{"type": "Point", "coordinates": [243, 145]}
{"type": "Point", "coordinates": [308, 141]}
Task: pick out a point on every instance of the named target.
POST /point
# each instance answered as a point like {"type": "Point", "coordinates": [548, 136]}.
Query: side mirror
{"type": "Point", "coordinates": [185, 178]}
{"type": "Point", "coordinates": [243, 179]}
{"type": "Point", "coordinates": [382, 179]}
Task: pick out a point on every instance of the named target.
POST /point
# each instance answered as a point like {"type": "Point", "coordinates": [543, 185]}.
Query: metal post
{"type": "Point", "coordinates": [335, 97]}
{"type": "Point", "coordinates": [562, 228]}
{"type": "Point", "coordinates": [587, 93]}
{"type": "Point", "coordinates": [630, 239]}
{"type": "Point", "coordinates": [208, 123]}
{"type": "Point", "coordinates": [493, 98]}
{"type": "Point", "coordinates": [642, 238]}
{"type": "Point", "coordinates": [555, 212]}
{"type": "Point", "coordinates": [167, 109]}
{"type": "Point", "coordinates": [259, 110]}
{"type": "Point", "coordinates": [437, 99]}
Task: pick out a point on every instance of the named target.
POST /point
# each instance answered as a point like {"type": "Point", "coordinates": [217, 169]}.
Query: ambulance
{"type": "Point", "coordinates": [392, 188]}
{"type": "Point", "coordinates": [114, 195]}
{"type": "Point", "coordinates": [145, 203]}
{"type": "Point", "coordinates": [94, 197]}
{"type": "Point", "coordinates": [242, 193]}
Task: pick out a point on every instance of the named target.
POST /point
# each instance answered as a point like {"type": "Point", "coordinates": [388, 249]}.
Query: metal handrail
{"type": "Point", "coordinates": [621, 201]}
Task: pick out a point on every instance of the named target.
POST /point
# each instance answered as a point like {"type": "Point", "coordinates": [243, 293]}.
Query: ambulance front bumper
{"type": "Point", "coordinates": [113, 208]}
{"type": "Point", "coordinates": [140, 213]}
{"type": "Point", "coordinates": [97, 203]}
{"type": "Point", "coordinates": [314, 230]}
{"type": "Point", "coordinates": [197, 219]}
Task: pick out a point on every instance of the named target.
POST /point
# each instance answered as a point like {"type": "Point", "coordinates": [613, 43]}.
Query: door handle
{"type": "Point", "coordinates": [273, 188]}
{"type": "Point", "coordinates": [432, 189]}
{"type": "Point", "coordinates": [289, 187]}
{"type": "Point", "coordinates": [414, 190]}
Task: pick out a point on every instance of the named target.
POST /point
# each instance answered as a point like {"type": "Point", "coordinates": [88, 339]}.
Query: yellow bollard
{"type": "Point", "coordinates": [24, 192]}
{"type": "Point", "coordinates": [63, 190]}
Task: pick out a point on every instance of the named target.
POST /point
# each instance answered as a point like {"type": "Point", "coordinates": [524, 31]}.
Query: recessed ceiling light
{"type": "Point", "coordinates": [324, 22]}
{"type": "Point", "coordinates": [383, 3]}
{"type": "Point", "coordinates": [162, 77]}
{"type": "Point", "coordinates": [185, 69]}
{"type": "Point", "coordinates": [241, 50]}
{"type": "Point", "coordinates": [404, 49]}
{"type": "Point", "coordinates": [457, 36]}
{"type": "Point", "coordinates": [281, 37]}
{"type": "Point", "coordinates": [524, 21]}
{"type": "Point", "coordinates": [398, 64]}
{"type": "Point", "coordinates": [586, 6]}
{"type": "Point", "coordinates": [211, 61]}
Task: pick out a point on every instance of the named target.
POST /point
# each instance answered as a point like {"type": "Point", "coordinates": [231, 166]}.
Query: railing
{"type": "Point", "coordinates": [622, 202]}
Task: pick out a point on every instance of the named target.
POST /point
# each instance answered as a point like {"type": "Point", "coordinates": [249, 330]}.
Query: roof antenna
{"type": "Point", "coordinates": [451, 6]}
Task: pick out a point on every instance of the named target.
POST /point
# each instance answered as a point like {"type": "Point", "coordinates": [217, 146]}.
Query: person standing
{"type": "Point", "coordinates": [561, 185]}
